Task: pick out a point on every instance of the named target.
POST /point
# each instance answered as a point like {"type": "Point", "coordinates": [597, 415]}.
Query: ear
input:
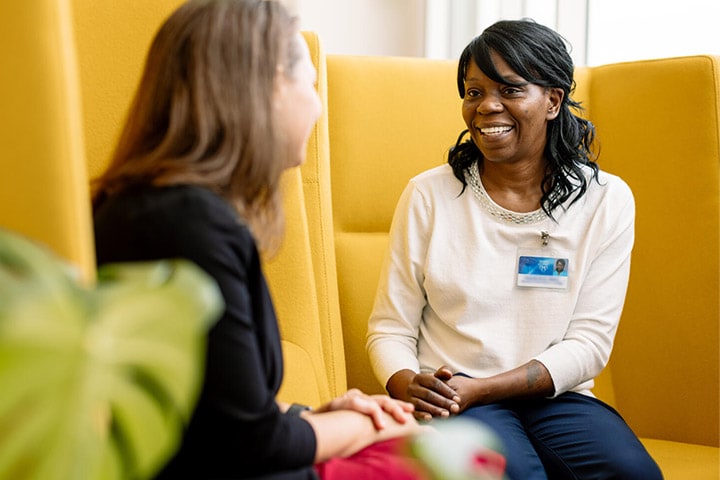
{"type": "Point", "coordinates": [555, 98]}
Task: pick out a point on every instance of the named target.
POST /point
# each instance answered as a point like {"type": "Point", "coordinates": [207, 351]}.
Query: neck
{"type": "Point", "coordinates": [516, 187]}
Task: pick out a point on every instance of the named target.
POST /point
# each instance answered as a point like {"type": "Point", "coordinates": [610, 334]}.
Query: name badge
{"type": "Point", "coordinates": [545, 271]}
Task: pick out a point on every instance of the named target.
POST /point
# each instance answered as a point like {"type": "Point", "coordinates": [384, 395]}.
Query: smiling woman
{"type": "Point", "coordinates": [507, 119]}
{"type": "Point", "coordinates": [461, 324]}
{"type": "Point", "coordinates": [518, 108]}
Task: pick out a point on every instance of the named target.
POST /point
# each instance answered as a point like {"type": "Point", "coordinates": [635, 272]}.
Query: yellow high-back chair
{"type": "Point", "coordinates": [43, 179]}
{"type": "Point", "coordinates": [69, 70]}
{"type": "Point", "coordinates": [389, 119]}
{"type": "Point", "coordinates": [302, 276]}
{"type": "Point", "coordinates": [663, 138]}
{"type": "Point", "coordinates": [112, 42]}
{"type": "Point", "coordinates": [658, 128]}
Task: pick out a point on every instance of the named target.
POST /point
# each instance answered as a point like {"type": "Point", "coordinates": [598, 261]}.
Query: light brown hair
{"type": "Point", "coordinates": [203, 111]}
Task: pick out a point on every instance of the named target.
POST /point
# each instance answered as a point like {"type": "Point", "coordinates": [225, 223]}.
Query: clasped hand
{"type": "Point", "coordinates": [438, 394]}
{"type": "Point", "coordinates": [374, 406]}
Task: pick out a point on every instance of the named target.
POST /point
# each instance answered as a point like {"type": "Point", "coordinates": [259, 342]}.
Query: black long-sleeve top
{"type": "Point", "coordinates": [237, 430]}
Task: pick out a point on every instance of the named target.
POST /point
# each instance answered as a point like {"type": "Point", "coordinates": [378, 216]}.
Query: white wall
{"type": "Point", "coordinates": [425, 28]}
{"type": "Point", "coordinates": [599, 31]}
{"type": "Point", "coordinates": [366, 27]}
{"type": "Point", "coordinates": [621, 30]}
{"type": "Point", "coordinates": [451, 24]}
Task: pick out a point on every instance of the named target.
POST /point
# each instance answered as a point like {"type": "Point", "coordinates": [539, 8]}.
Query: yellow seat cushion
{"type": "Point", "coordinates": [684, 461]}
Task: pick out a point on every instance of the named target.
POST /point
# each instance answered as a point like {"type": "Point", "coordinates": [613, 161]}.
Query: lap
{"type": "Point", "coordinates": [386, 460]}
{"type": "Point", "coordinates": [573, 435]}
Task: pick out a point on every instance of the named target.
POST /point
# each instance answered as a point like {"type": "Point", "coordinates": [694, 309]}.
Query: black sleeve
{"type": "Point", "coordinates": [237, 427]}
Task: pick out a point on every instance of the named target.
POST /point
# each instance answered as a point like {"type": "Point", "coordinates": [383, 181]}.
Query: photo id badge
{"type": "Point", "coordinates": [542, 268]}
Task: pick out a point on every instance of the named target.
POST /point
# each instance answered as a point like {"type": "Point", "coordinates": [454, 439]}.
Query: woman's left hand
{"type": "Point", "coordinates": [531, 380]}
{"type": "Point", "coordinates": [371, 405]}
{"type": "Point", "coordinates": [467, 390]}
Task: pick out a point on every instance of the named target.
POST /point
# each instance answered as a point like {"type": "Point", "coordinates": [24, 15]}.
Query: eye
{"type": "Point", "coordinates": [512, 90]}
{"type": "Point", "coordinates": [472, 93]}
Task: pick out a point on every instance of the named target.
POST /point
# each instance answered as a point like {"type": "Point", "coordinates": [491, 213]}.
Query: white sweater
{"type": "Point", "coordinates": [448, 291]}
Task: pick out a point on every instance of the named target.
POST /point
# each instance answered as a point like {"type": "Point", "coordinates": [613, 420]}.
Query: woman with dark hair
{"type": "Point", "coordinates": [226, 103]}
{"type": "Point", "coordinates": [469, 318]}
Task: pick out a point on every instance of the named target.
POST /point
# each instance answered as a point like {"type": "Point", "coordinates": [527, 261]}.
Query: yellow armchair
{"type": "Point", "coordinates": [658, 128]}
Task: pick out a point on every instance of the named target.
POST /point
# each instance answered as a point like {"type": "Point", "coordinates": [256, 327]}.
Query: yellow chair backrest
{"type": "Point", "coordinates": [658, 122]}
{"type": "Point", "coordinates": [389, 119]}
{"type": "Point", "coordinates": [43, 184]}
{"type": "Point", "coordinates": [113, 38]}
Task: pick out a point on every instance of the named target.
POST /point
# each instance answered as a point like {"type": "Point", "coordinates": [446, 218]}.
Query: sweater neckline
{"type": "Point", "coordinates": [489, 205]}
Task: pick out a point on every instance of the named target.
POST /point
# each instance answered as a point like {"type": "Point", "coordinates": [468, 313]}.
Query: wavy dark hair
{"type": "Point", "coordinates": [540, 56]}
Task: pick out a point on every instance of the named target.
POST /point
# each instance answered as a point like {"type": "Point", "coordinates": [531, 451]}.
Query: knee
{"type": "Point", "coordinates": [637, 466]}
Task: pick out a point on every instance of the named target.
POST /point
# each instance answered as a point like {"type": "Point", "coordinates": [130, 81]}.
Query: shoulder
{"type": "Point", "coordinates": [436, 174]}
{"type": "Point", "coordinates": [186, 201]}
{"type": "Point", "coordinates": [608, 196]}
{"type": "Point", "coordinates": [178, 220]}
{"type": "Point", "coordinates": [182, 204]}
{"type": "Point", "coordinates": [437, 180]}
{"type": "Point", "coordinates": [614, 187]}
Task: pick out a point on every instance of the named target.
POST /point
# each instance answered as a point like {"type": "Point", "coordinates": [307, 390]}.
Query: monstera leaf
{"type": "Point", "coordinates": [97, 383]}
{"type": "Point", "coordinates": [460, 449]}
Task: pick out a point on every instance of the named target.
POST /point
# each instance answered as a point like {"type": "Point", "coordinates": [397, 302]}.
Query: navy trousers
{"type": "Point", "coordinates": [572, 436]}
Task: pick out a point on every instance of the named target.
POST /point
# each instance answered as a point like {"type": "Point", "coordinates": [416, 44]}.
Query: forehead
{"type": "Point", "coordinates": [298, 60]}
{"type": "Point", "coordinates": [502, 68]}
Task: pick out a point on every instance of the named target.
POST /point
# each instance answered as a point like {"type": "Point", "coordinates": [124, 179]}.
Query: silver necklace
{"type": "Point", "coordinates": [473, 179]}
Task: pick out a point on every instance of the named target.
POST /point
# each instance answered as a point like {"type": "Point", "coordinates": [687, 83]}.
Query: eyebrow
{"type": "Point", "coordinates": [513, 80]}
{"type": "Point", "coordinates": [516, 79]}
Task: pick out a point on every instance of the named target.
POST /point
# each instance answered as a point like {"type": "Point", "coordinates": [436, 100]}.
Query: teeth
{"type": "Point", "coordinates": [495, 130]}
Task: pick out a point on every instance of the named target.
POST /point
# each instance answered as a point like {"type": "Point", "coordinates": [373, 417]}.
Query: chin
{"type": "Point", "coordinates": [296, 162]}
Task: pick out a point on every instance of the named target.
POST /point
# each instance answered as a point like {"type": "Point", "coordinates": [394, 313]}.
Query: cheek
{"type": "Point", "coordinates": [534, 118]}
{"type": "Point", "coordinates": [307, 117]}
{"type": "Point", "coordinates": [316, 107]}
{"type": "Point", "coordinates": [468, 113]}
{"type": "Point", "coordinates": [307, 103]}
{"type": "Point", "coordinates": [304, 111]}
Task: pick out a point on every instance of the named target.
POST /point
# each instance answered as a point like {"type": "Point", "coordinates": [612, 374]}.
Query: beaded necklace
{"type": "Point", "coordinates": [473, 179]}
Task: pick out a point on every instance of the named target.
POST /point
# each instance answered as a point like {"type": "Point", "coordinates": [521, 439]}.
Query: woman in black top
{"type": "Point", "coordinates": [226, 103]}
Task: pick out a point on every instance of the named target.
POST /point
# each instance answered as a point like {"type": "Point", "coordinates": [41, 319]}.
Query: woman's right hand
{"type": "Point", "coordinates": [429, 393]}
{"type": "Point", "coordinates": [377, 407]}
{"type": "Point", "coordinates": [341, 432]}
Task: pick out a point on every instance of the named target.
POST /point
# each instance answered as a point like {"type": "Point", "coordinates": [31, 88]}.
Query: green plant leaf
{"type": "Point", "coordinates": [460, 449]}
{"type": "Point", "coordinates": [97, 383]}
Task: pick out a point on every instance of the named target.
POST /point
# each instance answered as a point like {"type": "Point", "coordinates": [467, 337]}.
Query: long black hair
{"type": "Point", "coordinates": [540, 56]}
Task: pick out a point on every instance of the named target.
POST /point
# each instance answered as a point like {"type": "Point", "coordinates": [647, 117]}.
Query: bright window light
{"type": "Point", "coordinates": [625, 30]}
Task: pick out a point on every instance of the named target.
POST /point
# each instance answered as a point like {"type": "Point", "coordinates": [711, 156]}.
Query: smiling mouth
{"type": "Point", "coordinates": [495, 130]}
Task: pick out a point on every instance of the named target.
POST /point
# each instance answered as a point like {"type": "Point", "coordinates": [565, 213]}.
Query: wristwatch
{"type": "Point", "coordinates": [296, 409]}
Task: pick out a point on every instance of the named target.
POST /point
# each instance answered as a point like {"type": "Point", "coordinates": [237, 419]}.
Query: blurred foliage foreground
{"type": "Point", "coordinates": [97, 382]}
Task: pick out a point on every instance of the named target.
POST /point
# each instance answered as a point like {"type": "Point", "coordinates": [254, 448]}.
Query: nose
{"type": "Point", "coordinates": [490, 103]}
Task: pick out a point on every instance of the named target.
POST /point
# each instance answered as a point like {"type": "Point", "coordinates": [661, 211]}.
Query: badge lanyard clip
{"type": "Point", "coordinates": [545, 237]}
